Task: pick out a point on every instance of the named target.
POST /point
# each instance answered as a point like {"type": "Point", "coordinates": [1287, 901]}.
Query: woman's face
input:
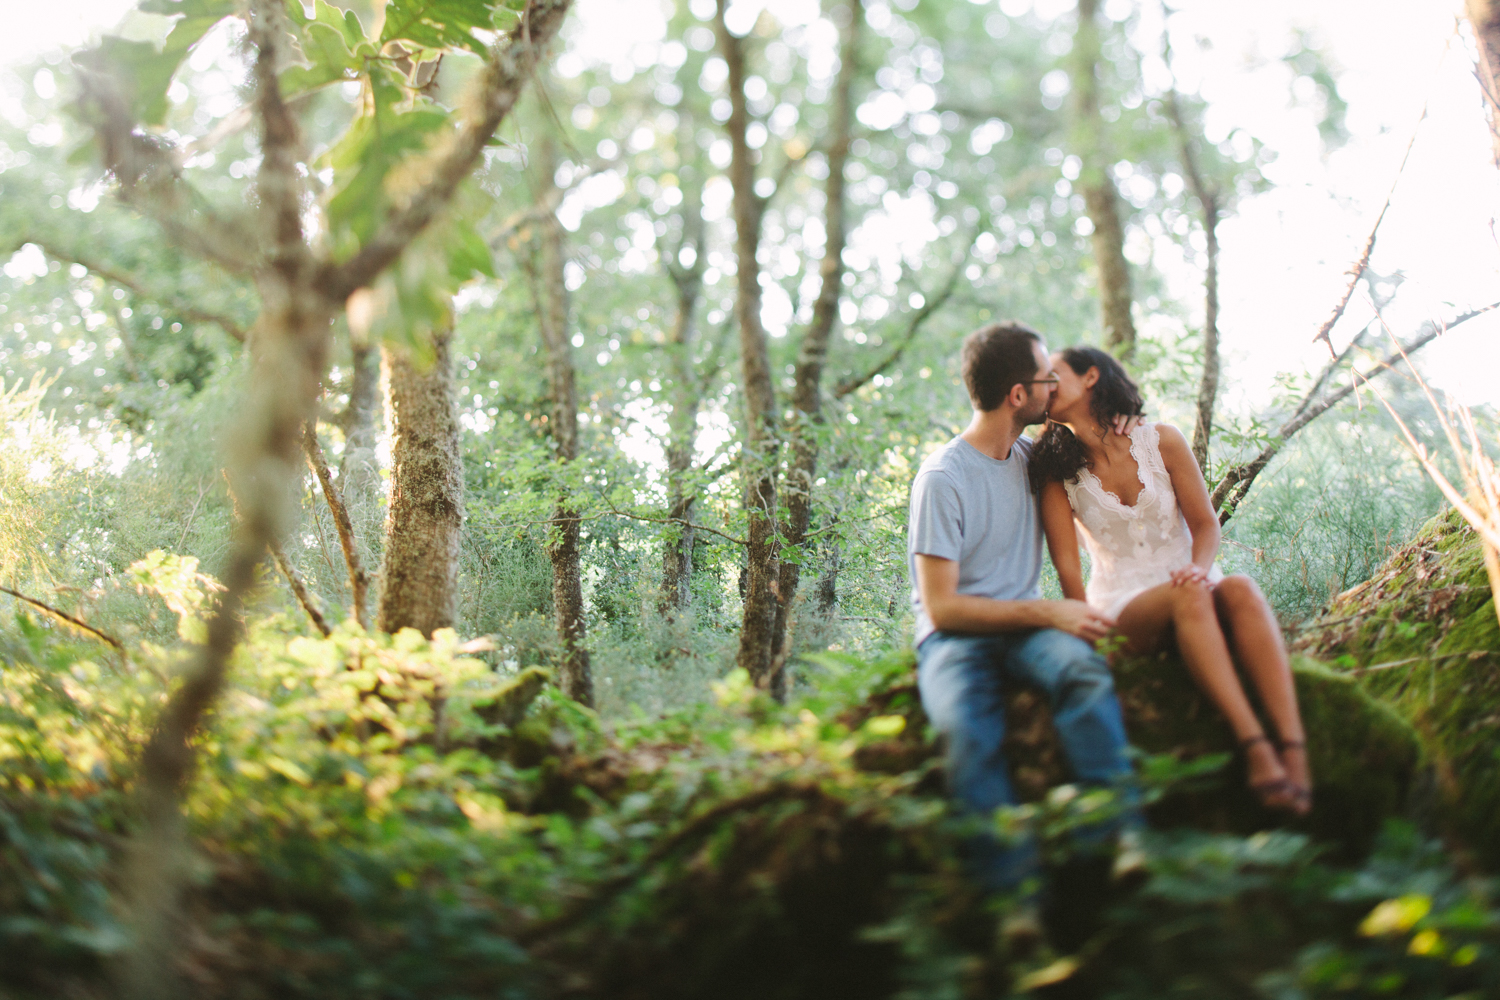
{"type": "Point", "coordinates": [1072, 395]}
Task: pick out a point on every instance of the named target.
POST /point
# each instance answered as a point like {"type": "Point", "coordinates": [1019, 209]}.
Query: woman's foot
{"type": "Point", "coordinates": [1299, 774]}
{"type": "Point", "coordinates": [1267, 776]}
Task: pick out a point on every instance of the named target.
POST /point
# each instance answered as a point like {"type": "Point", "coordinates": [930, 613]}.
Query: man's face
{"type": "Point", "coordinates": [1039, 391]}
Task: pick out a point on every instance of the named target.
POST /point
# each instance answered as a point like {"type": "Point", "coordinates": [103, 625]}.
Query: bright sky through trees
{"type": "Point", "coordinates": [1283, 251]}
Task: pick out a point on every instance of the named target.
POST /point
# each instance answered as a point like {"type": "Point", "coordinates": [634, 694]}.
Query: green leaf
{"type": "Point", "coordinates": [334, 44]}
{"type": "Point", "coordinates": [141, 72]}
{"type": "Point", "coordinates": [468, 253]}
{"type": "Point", "coordinates": [364, 157]}
{"type": "Point", "coordinates": [438, 24]}
{"type": "Point", "coordinates": [147, 72]}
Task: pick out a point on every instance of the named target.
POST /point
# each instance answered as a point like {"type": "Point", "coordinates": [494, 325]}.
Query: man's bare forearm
{"type": "Point", "coordinates": [966, 613]}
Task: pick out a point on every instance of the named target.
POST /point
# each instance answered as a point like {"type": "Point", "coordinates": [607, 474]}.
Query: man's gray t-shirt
{"type": "Point", "coordinates": [979, 512]}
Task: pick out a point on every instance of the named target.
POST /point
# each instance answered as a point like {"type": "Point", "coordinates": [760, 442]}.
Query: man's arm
{"type": "Point", "coordinates": [950, 611]}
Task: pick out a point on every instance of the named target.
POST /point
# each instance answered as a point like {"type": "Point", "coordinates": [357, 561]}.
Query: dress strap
{"type": "Point", "coordinates": [1148, 454]}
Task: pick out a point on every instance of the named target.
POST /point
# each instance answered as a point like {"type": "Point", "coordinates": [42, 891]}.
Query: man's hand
{"type": "Point", "coordinates": [1192, 573]}
{"type": "Point", "coordinates": [1081, 619]}
{"type": "Point", "coordinates": [1124, 424]}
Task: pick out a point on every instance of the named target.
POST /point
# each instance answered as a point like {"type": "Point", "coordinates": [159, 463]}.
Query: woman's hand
{"type": "Point", "coordinates": [1192, 573]}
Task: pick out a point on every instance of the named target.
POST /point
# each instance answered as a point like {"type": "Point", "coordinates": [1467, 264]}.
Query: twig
{"type": "Point", "coordinates": [1235, 484]}
{"type": "Point", "coordinates": [188, 523]}
{"type": "Point", "coordinates": [293, 578]}
{"type": "Point", "coordinates": [1358, 269]}
{"type": "Point", "coordinates": [1472, 654]}
{"type": "Point", "coordinates": [913, 326]}
{"type": "Point", "coordinates": [299, 589]}
{"type": "Point", "coordinates": [359, 583]}
{"type": "Point", "coordinates": [132, 283]}
{"type": "Point", "coordinates": [68, 619]}
{"type": "Point", "coordinates": [684, 522]}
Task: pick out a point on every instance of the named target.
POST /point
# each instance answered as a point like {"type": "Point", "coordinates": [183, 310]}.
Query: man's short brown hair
{"type": "Point", "coordinates": [995, 358]}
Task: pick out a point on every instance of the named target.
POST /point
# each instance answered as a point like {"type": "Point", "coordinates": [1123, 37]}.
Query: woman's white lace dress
{"type": "Point", "coordinates": [1132, 549]}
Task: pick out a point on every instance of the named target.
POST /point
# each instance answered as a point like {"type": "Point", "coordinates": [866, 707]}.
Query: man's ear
{"type": "Point", "coordinates": [1017, 395]}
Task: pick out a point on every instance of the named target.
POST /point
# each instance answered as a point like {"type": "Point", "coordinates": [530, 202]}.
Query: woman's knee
{"type": "Point", "coordinates": [1238, 591]}
{"type": "Point", "coordinates": [1191, 601]}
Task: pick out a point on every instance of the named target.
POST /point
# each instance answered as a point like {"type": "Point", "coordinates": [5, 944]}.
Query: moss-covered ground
{"type": "Point", "coordinates": [1421, 635]}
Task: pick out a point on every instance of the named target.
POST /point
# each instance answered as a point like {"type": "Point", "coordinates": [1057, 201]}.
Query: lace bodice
{"type": "Point", "coordinates": [1131, 549]}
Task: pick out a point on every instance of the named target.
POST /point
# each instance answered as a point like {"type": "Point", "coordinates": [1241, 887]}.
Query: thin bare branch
{"type": "Point", "coordinates": [359, 581]}
{"type": "Point", "coordinates": [134, 284]}
{"type": "Point", "coordinates": [1358, 268]}
{"type": "Point", "coordinates": [149, 174]}
{"type": "Point", "coordinates": [69, 620]}
{"type": "Point", "coordinates": [913, 326]}
{"type": "Point", "coordinates": [304, 597]}
{"type": "Point", "coordinates": [1231, 490]}
{"type": "Point", "coordinates": [683, 522]}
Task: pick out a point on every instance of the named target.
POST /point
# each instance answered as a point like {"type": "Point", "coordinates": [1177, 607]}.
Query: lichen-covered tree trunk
{"type": "Point", "coordinates": [1101, 199]}
{"type": "Point", "coordinates": [1484, 15]}
{"type": "Point", "coordinates": [563, 533]}
{"type": "Point", "coordinates": [687, 395]}
{"type": "Point", "coordinates": [807, 391]}
{"type": "Point", "coordinates": [758, 459]}
{"type": "Point", "coordinates": [419, 574]}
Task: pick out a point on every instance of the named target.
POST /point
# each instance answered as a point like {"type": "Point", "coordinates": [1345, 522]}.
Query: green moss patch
{"type": "Point", "coordinates": [1365, 757]}
{"type": "Point", "coordinates": [1422, 636]}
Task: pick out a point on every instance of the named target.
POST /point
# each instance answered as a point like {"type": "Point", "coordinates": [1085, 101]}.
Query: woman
{"type": "Point", "coordinates": [1152, 537]}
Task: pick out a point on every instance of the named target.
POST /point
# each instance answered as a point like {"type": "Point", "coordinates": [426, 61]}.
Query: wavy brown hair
{"type": "Point", "coordinates": [1058, 455]}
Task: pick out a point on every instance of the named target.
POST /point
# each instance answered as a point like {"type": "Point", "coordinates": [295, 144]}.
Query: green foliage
{"type": "Point", "coordinates": [146, 71]}
{"type": "Point", "coordinates": [385, 815]}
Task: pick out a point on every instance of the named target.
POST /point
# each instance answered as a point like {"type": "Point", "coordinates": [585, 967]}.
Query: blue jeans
{"type": "Point", "coordinates": [963, 680]}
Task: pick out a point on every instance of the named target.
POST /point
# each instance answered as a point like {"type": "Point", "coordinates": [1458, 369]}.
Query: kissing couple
{"type": "Point", "coordinates": [1132, 492]}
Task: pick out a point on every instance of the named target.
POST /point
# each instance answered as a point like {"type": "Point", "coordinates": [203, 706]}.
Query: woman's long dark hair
{"type": "Point", "coordinates": [1058, 455]}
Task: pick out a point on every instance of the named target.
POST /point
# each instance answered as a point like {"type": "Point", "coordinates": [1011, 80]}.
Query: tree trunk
{"type": "Point", "coordinates": [359, 470]}
{"type": "Point", "coordinates": [677, 546]}
{"type": "Point", "coordinates": [758, 459]}
{"type": "Point", "coordinates": [807, 391]}
{"type": "Point", "coordinates": [1208, 385]}
{"type": "Point", "coordinates": [1208, 203]}
{"type": "Point", "coordinates": [419, 575]}
{"type": "Point", "coordinates": [551, 293]}
{"type": "Point", "coordinates": [1101, 199]}
{"type": "Point", "coordinates": [1484, 15]}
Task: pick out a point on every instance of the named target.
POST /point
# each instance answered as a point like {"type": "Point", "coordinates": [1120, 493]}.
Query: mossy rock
{"type": "Point", "coordinates": [1421, 635]}
{"type": "Point", "coordinates": [1366, 759]}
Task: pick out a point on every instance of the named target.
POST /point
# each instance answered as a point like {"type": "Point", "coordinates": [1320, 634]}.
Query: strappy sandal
{"type": "Point", "coordinates": [1278, 793]}
{"type": "Point", "coordinates": [1301, 794]}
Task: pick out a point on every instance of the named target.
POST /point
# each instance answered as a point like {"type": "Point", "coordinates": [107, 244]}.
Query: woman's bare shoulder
{"type": "Point", "coordinates": [1170, 437]}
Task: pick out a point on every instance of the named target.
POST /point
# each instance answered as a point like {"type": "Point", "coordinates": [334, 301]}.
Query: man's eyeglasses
{"type": "Point", "coordinates": [1042, 381]}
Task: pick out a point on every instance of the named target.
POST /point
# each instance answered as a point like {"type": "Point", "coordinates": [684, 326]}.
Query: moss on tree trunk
{"type": "Point", "coordinates": [1421, 636]}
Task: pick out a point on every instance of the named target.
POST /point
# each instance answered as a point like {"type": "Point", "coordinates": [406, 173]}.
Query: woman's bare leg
{"type": "Point", "coordinates": [1259, 649]}
{"type": "Point", "coordinates": [1189, 611]}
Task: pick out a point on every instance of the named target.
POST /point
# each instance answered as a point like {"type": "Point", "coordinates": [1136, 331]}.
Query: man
{"type": "Point", "coordinates": [975, 551]}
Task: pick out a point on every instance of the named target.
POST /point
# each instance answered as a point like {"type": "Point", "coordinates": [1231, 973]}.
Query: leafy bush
{"type": "Point", "coordinates": [389, 816]}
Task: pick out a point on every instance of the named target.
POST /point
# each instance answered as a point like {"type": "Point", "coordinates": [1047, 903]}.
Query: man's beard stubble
{"type": "Point", "coordinates": [1030, 417]}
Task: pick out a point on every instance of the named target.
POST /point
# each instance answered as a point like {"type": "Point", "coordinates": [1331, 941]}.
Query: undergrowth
{"type": "Point", "coordinates": [380, 816]}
